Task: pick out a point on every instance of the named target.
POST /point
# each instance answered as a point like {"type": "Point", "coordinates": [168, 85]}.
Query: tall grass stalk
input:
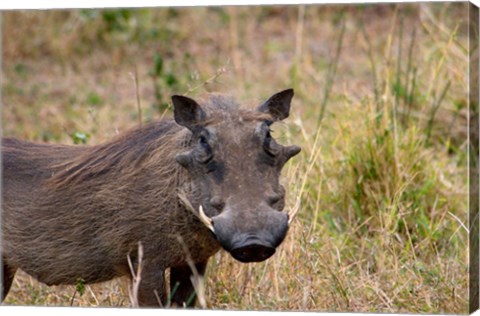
{"type": "Point", "coordinates": [409, 78]}
{"type": "Point", "coordinates": [137, 94]}
{"type": "Point", "coordinates": [331, 72]}
{"type": "Point", "coordinates": [411, 94]}
{"type": "Point", "coordinates": [298, 47]}
{"type": "Point", "coordinates": [398, 69]}
{"type": "Point", "coordinates": [436, 104]}
{"type": "Point", "coordinates": [373, 68]}
{"type": "Point", "coordinates": [136, 276]}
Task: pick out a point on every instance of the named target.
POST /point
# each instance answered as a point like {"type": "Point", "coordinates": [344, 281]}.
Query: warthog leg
{"type": "Point", "coordinates": [8, 273]}
{"type": "Point", "coordinates": [181, 287]}
{"type": "Point", "coordinates": [152, 290]}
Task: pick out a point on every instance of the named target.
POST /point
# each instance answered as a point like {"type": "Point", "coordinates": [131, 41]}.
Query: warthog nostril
{"type": "Point", "coordinates": [274, 199]}
{"type": "Point", "coordinates": [252, 253]}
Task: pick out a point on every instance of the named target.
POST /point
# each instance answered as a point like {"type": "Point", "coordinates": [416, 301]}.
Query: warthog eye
{"type": "Point", "coordinates": [204, 154]}
{"type": "Point", "coordinates": [269, 144]}
{"type": "Point", "coordinates": [203, 141]}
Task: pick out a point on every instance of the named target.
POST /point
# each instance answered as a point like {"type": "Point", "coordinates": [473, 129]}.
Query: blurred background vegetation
{"type": "Point", "coordinates": [380, 111]}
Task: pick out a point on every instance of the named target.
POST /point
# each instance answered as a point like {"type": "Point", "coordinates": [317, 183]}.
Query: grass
{"type": "Point", "coordinates": [382, 180]}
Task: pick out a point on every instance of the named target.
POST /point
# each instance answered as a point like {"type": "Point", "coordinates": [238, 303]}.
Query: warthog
{"type": "Point", "coordinates": [184, 188]}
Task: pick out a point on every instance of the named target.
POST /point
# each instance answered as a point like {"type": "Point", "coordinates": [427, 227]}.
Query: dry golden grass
{"type": "Point", "coordinates": [382, 181]}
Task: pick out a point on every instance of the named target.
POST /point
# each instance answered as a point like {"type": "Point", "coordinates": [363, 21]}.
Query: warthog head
{"type": "Point", "coordinates": [234, 165]}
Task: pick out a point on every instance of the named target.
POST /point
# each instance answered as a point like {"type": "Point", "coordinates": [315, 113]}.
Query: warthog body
{"type": "Point", "coordinates": [184, 188]}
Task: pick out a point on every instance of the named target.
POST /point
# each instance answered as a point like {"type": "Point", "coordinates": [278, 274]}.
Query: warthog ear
{"type": "Point", "coordinates": [291, 151]}
{"type": "Point", "coordinates": [278, 105]}
{"type": "Point", "coordinates": [187, 112]}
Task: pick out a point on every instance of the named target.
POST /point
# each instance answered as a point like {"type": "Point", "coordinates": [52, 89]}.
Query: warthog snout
{"type": "Point", "coordinates": [251, 239]}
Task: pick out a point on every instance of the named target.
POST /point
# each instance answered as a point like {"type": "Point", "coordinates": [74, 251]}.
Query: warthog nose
{"type": "Point", "coordinates": [252, 253]}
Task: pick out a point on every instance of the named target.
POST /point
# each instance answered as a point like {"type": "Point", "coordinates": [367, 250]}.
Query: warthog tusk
{"type": "Point", "coordinates": [186, 202]}
{"type": "Point", "coordinates": [293, 212]}
{"type": "Point", "coordinates": [201, 215]}
{"type": "Point", "coordinates": [207, 221]}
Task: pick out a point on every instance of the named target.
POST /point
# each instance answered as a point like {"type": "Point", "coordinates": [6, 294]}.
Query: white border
{"type": "Point", "coordinates": [60, 311]}
{"type": "Point", "coordinates": [51, 4]}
